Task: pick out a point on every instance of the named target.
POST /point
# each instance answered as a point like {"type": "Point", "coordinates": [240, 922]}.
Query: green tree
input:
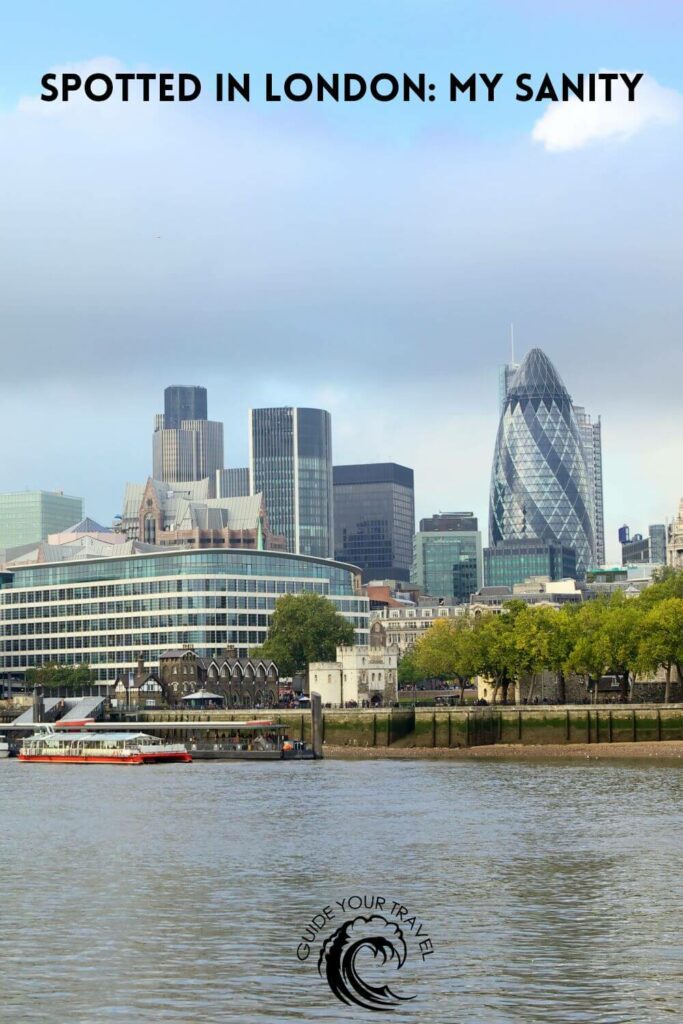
{"type": "Point", "coordinates": [304, 628]}
{"type": "Point", "coordinates": [436, 654]}
{"type": "Point", "coordinates": [409, 673]}
{"type": "Point", "coordinates": [52, 676]}
{"type": "Point", "coordinates": [607, 639]}
{"type": "Point", "coordinates": [661, 639]}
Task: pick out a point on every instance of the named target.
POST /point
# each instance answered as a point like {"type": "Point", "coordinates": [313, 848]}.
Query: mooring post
{"type": "Point", "coordinates": [316, 725]}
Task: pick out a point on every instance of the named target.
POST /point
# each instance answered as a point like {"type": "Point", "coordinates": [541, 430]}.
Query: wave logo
{"type": "Point", "coordinates": [340, 955]}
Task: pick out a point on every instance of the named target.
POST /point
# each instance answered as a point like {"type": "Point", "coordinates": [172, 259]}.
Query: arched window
{"type": "Point", "coordinates": [150, 531]}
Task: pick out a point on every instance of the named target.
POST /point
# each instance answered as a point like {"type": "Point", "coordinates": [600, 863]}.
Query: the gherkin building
{"type": "Point", "coordinates": [539, 481]}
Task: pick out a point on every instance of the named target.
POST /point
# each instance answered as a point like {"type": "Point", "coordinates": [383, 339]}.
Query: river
{"type": "Point", "coordinates": [181, 893]}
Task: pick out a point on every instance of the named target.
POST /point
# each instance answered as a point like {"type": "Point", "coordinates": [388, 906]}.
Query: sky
{"type": "Point", "coordinates": [364, 258]}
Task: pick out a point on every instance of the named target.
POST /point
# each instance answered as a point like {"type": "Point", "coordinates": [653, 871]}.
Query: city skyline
{"type": "Point", "coordinates": [424, 506]}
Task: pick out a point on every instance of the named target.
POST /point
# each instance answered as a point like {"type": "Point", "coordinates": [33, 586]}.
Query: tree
{"type": "Point", "coordinates": [52, 676]}
{"type": "Point", "coordinates": [436, 654]}
{"type": "Point", "coordinates": [661, 639]}
{"type": "Point", "coordinates": [607, 639]}
{"type": "Point", "coordinates": [304, 628]}
{"type": "Point", "coordinates": [409, 674]}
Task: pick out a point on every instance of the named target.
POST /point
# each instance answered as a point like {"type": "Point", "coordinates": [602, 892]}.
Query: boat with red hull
{"type": "Point", "coordinates": [50, 746]}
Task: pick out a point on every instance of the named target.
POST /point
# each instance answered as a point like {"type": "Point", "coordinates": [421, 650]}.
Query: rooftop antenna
{"type": "Point", "coordinates": [512, 342]}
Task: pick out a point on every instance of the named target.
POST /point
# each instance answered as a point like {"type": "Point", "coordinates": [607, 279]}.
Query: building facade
{"type": "Point", "coordinates": [290, 463]}
{"type": "Point", "coordinates": [404, 626]}
{"type": "Point", "coordinates": [184, 402]}
{"type": "Point", "coordinates": [107, 612]}
{"type": "Point", "coordinates": [374, 519]}
{"type": "Point", "coordinates": [540, 488]}
{"type": "Point", "coordinates": [232, 483]}
{"type": "Point", "coordinates": [362, 676]}
{"type": "Point", "coordinates": [27, 517]}
{"type": "Point", "coordinates": [514, 561]}
{"type": "Point", "coordinates": [186, 445]}
{"type": "Point", "coordinates": [657, 537]}
{"type": "Point", "coordinates": [637, 549]}
{"type": "Point", "coordinates": [182, 515]}
{"type": "Point", "coordinates": [674, 540]}
{"type": "Point", "coordinates": [447, 556]}
{"type": "Point", "coordinates": [591, 434]}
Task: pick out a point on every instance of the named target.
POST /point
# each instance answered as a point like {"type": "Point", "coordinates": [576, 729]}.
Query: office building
{"type": "Point", "coordinates": [186, 445]}
{"type": "Point", "coordinates": [290, 463]}
{"type": "Point", "coordinates": [540, 487]}
{"type": "Point", "coordinates": [514, 561]}
{"type": "Point", "coordinates": [447, 556]}
{"type": "Point", "coordinates": [638, 549]}
{"type": "Point", "coordinates": [182, 402]}
{"type": "Point", "coordinates": [657, 537]}
{"type": "Point", "coordinates": [27, 517]}
{"type": "Point", "coordinates": [591, 435]}
{"type": "Point", "coordinates": [108, 604]}
{"type": "Point", "coordinates": [232, 483]}
{"type": "Point", "coordinates": [374, 519]}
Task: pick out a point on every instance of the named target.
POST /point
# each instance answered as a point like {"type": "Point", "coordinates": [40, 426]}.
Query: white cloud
{"type": "Point", "coordinates": [575, 124]}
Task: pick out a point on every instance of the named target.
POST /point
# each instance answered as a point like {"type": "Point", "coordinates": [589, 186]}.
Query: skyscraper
{"type": "Point", "coordinates": [539, 482]}
{"type": "Point", "coordinates": [447, 556]}
{"type": "Point", "coordinates": [183, 402]}
{"type": "Point", "coordinates": [290, 463]}
{"type": "Point", "coordinates": [186, 445]}
{"type": "Point", "coordinates": [374, 519]}
{"type": "Point", "coordinates": [29, 516]}
{"type": "Point", "coordinates": [591, 434]}
{"type": "Point", "coordinates": [232, 483]}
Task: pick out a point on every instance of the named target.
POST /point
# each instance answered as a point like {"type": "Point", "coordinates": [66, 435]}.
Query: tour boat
{"type": "Point", "coordinates": [100, 748]}
{"type": "Point", "coordinates": [4, 748]}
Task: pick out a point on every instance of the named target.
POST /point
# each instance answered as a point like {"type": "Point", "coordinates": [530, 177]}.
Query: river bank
{"type": "Point", "coordinates": [664, 750]}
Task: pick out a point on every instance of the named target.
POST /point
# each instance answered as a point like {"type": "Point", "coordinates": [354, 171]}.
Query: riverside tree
{"type": "Point", "coordinates": [616, 635]}
{"type": "Point", "coordinates": [304, 628]}
{"type": "Point", "coordinates": [70, 678]}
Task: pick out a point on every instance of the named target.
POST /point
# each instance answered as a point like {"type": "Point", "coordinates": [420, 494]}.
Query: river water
{"type": "Point", "coordinates": [181, 893]}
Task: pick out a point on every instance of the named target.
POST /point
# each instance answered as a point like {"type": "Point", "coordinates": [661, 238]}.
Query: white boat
{"type": "Point", "coordinates": [65, 747]}
{"type": "Point", "coordinates": [4, 748]}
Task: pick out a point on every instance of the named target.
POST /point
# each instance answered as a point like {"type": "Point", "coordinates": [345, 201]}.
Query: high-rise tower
{"type": "Point", "coordinates": [591, 434]}
{"type": "Point", "coordinates": [186, 445]}
{"type": "Point", "coordinates": [290, 463]}
{"type": "Point", "coordinates": [539, 482]}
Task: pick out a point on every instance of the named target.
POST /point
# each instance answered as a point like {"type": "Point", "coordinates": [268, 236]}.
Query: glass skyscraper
{"type": "Point", "coordinates": [592, 453]}
{"type": "Point", "coordinates": [290, 463]}
{"type": "Point", "coordinates": [540, 487]}
{"type": "Point", "coordinates": [447, 556]}
{"type": "Point", "coordinates": [184, 402]}
{"type": "Point", "coordinates": [27, 517]}
{"type": "Point", "coordinates": [374, 519]}
{"type": "Point", "coordinates": [186, 445]}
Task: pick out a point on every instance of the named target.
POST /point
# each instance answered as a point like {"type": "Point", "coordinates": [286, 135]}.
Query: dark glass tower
{"type": "Point", "coordinates": [539, 483]}
{"type": "Point", "coordinates": [374, 519]}
{"type": "Point", "coordinates": [186, 445]}
{"type": "Point", "coordinates": [290, 463]}
{"type": "Point", "coordinates": [183, 402]}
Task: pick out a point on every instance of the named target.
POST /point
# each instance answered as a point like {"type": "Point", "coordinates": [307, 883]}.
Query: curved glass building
{"type": "Point", "coordinates": [539, 482]}
{"type": "Point", "coordinates": [108, 611]}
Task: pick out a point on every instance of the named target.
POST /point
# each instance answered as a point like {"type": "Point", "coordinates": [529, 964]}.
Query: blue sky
{"type": "Point", "coordinates": [368, 258]}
